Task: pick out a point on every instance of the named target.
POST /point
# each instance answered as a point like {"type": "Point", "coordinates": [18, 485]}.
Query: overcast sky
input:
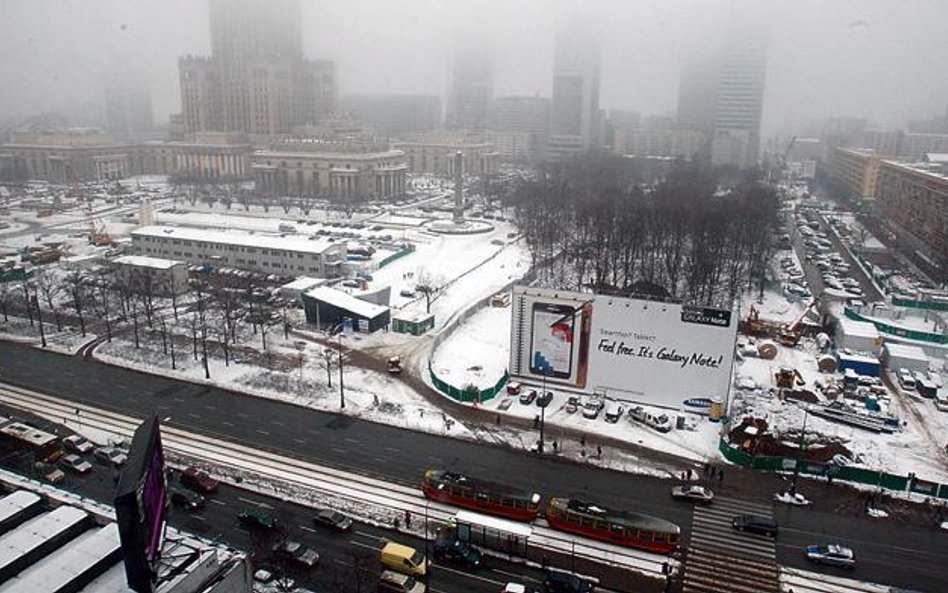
{"type": "Point", "coordinates": [886, 60]}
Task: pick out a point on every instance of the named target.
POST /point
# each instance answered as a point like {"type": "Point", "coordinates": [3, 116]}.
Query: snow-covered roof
{"type": "Point", "coordinates": [143, 261]}
{"type": "Point", "coordinates": [906, 351]}
{"type": "Point", "coordinates": [501, 525]}
{"type": "Point", "coordinates": [61, 567]}
{"type": "Point", "coordinates": [857, 357]}
{"type": "Point", "coordinates": [416, 317]}
{"type": "Point", "coordinates": [32, 534]}
{"type": "Point", "coordinates": [12, 504]}
{"type": "Point", "coordinates": [232, 237]}
{"type": "Point", "coordinates": [342, 300]}
{"type": "Point", "coordinates": [303, 283]}
{"type": "Point", "coordinates": [861, 329]}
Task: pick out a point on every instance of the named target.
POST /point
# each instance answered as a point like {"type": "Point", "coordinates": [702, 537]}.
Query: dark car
{"type": "Point", "coordinates": [449, 550]}
{"type": "Point", "coordinates": [297, 553]}
{"type": "Point", "coordinates": [333, 520]}
{"type": "Point", "coordinates": [545, 399]}
{"type": "Point", "coordinates": [527, 397]}
{"type": "Point", "coordinates": [187, 500]}
{"type": "Point", "coordinates": [257, 519]}
{"type": "Point", "coordinates": [755, 524]}
{"type": "Point", "coordinates": [564, 582]}
{"type": "Point", "coordinates": [197, 480]}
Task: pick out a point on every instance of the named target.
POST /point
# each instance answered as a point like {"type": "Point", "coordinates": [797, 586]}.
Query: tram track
{"type": "Point", "coordinates": [262, 463]}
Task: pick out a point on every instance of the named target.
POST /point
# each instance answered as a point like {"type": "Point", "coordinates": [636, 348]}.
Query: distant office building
{"type": "Point", "coordinates": [881, 142]}
{"type": "Point", "coordinates": [856, 170]}
{"type": "Point", "coordinates": [575, 124]}
{"type": "Point", "coordinates": [395, 115]}
{"type": "Point", "coordinates": [326, 168]}
{"type": "Point", "coordinates": [68, 156]}
{"type": "Point", "coordinates": [659, 142]}
{"type": "Point", "coordinates": [523, 121]}
{"type": "Point", "coordinates": [256, 80]}
{"type": "Point", "coordinates": [914, 147]}
{"type": "Point", "coordinates": [471, 91]}
{"type": "Point", "coordinates": [915, 201]}
{"type": "Point", "coordinates": [434, 153]}
{"type": "Point", "coordinates": [739, 100]}
{"type": "Point", "coordinates": [697, 92]}
{"type": "Point", "coordinates": [128, 112]}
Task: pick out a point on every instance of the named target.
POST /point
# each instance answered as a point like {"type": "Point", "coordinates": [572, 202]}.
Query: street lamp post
{"type": "Point", "coordinates": [542, 410]}
{"type": "Point", "coordinates": [342, 393]}
{"type": "Point", "coordinates": [427, 545]}
{"type": "Point", "coordinates": [801, 446]}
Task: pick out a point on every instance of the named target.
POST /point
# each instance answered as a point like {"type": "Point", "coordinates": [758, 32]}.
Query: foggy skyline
{"type": "Point", "coordinates": [875, 59]}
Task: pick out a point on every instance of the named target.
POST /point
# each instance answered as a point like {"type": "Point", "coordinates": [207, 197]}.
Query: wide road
{"type": "Point", "coordinates": [889, 552]}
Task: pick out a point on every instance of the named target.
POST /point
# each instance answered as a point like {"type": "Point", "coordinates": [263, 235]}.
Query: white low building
{"type": "Point", "coordinates": [858, 336]}
{"type": "Point", "coordinates": [162, 277]}
{"type": "Point", "coordinates": [905, 356]}
{"type": "Point", "coordinates": [270, 254]}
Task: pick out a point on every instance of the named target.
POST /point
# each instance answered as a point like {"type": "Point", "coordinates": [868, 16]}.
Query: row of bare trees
{"type": "Point", "coordinates": [696, 236]}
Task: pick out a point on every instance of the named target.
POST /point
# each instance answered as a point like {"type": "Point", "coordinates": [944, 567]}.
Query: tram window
{"type": "Point", "coordinates": [506, 502]}
{"type": "Point", "coordinates": [481, 496]}
{"type": "Point", "coordinates": [646, 536]}
{"type": "Point", "coordinates": [660, 537]}
{"type": "Point", "coordinates": [600, 524]}
{"type": "Point", "coordinates": [520, 504]}
{"type": "Point", "coordinates": [588, 521]}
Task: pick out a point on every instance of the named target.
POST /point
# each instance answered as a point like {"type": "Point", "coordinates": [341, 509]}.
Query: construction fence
{"type": "Point", "coordinates": [469, 393]}
{"type": "Point", "coordinates": [910, 483]}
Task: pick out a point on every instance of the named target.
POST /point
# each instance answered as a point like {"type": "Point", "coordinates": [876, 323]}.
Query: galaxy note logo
{"type": "Point", "coordinates": [705, 316]}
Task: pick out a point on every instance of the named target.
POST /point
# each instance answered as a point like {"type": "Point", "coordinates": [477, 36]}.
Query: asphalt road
{"type": "Point", "coordinates": [890, 552]}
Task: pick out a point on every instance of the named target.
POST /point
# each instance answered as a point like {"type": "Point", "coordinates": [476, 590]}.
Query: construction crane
{"type": "Point", "coordinates": [97, 234]}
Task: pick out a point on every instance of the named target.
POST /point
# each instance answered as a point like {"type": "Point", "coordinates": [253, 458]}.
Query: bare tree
{"type": "Point", "coordinates": [430, 285]}
{"type": "Point", "coordinates": [49, 289]}
{"type": "Point", "coordinates": [6, 294]}
{"type": "Point", "coordinates": [328, 360]}
{"type": "Point", "coordinates": [76, 289]}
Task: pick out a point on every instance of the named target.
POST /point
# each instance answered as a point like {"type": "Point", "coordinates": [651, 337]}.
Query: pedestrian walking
{"type": "Point", "coordinates": [498, 419]}
{"type": "Point", "coordinates": [395, 523]}
{"type": "Point", "coordinates": [720, 475]}
{"type": "Point", "coordinates": [407, 519]}
{"type": "Point", "coordinates": [582, 440]}
{"type": "Point", "coordinates": [536, 421]}
{"type": "Point", "coordinates": [599, 451]}
{"type": "Point", "coordinates": [554, 446]}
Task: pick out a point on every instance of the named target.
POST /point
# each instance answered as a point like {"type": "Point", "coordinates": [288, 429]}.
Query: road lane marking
{"type": "Point", "coordinates": [300, 441]}
{"type": "Point", "coordinates": [262, 505]}
{"type": "Point", "coordinates": [353, 441]}
{"type": "Point", "coordinates": [368, 535]}
{"type": "Point", "coordinates": [222, 503]}
{"type": "Point", "coordinates": [226, 423]}
{"type": "Point", "coordinates": [309, 529]}
{"type": "Point", "coordinates": [338, 450]}
{"type": "Point", "coordinates": [277, 423]}
{"type": "Point", "coordinates": [263, 432]}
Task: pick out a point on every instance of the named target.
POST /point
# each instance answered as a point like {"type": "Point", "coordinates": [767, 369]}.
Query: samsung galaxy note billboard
{"type": "Point", "coordinates": [645, 351]}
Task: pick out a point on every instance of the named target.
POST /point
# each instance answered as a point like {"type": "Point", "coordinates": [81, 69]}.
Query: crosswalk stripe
{"type": "Point", "coordinates": [722, 560]}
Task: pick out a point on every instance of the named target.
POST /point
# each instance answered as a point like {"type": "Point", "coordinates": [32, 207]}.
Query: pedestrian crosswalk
{"type": "Point", "coordinates": [722, 560]}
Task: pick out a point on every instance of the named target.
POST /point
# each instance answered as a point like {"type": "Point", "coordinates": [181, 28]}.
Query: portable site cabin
{"type": "Point", "coordinates": [904, 356]}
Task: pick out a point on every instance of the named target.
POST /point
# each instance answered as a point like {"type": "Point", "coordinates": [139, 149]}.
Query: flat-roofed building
{"type": "Point", "coordinates": [434, 153]}
{"type": "Point", "coordinates": [157, 276]}
{"type": "Point", "coordinates": [269, 254]}
{"type": "Point", "coordinates": [318, 167]}
{"type": "Point", "coordinates": [915, 201]}
{"type": "Point", "coordinates": [857, 170]}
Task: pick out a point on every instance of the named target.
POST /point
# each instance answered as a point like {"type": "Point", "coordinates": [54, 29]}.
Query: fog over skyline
{"type": "Point", "coordinates": [881, 60]}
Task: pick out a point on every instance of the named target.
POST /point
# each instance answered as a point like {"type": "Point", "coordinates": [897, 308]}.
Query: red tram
{"type": "Point", "coordinates": [624, 529]}
{"type": "Point", "coordinates": [478, 495]}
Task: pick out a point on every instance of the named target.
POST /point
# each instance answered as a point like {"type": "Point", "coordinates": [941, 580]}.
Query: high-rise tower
{"type": "Point", "coordinates": [739, 99]}
{"type": "Point", "coordinates": [256, 80]}
{"type": "Point", "coordinates": [471, 91]}
{"type": "Point", "coordinates": [574, 114]}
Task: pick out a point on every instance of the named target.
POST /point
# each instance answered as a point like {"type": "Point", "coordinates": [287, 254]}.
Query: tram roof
{"type": "Point", "coordinates": [501, 525]}
{"type": "Point", "coordinates": [638, 520]}
{"type": "Point", "coordinates": [483, 485]}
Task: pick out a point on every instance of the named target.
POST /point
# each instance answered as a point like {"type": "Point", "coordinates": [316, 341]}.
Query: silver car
{"type": "Point", "coordinates": [832, 555]}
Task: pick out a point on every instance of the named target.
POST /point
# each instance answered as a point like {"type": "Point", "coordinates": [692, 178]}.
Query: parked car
{"type": "Point", "coordinates": [755, 524]}
{"type": "Point", "coordinates": [545, 399]}
{"type": "Point", "coordinates": [296, 553]}
{"type": "Point", "coordinates": [333, 520]}
{"type": "Point", "coordinates": [110, 456]}
{"type": "Point", "coordinates": [906, 380]}
{"type": "Point", "coordinates": [527, 397]}
{"type": "Point", "coordinates": [614, 412]}
{"type": "Point", "coordinates": [257, 519]}
{"type": "Point", "coordinates": [659, 422]}
{"type": "Point", "coordinates": [394, 582]}
{"type": "Point", "coordinates": [77, 444]}
{"type": "Point", "coordinates": [450, 550]}
{"type": "Point", "coordinates": [198, 481]}
{"type": "Point", "coordinates": [514, 388]}
{"type": "Point", "coordinates": [409, 294]}
{"type": "Point", "coordinates": [831, 555]}
{"type": "Point", "coordinates": [572, 404]}
{"type": "Point", "coordinates": [592, 408]}
{"type": "Point", "coordinates": [76, 464]}
{"type": "Point", "coordinates": [564, 582]}
{"type": "Point", "coordinates": [186, 499]}
{"type": "Point", "coordinates": [693, 492]}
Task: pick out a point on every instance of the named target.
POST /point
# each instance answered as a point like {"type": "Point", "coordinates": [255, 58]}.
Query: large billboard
{"type": "Point", "coordinates": [141, 501]}
{"type": "Point", "coordinates": [637, 350]}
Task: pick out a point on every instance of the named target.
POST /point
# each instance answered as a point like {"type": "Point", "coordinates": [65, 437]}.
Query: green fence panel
{"type": "Point", "coordinates": [768, 464]}
{"type": "Point", "coordinates": [466, 395]}
{"type": "Point", "coordinates": [916, 304]}
{"type": "Point", "coordinates": [898, 331]}
{"type": "Point", "coordinates": [398, 254]}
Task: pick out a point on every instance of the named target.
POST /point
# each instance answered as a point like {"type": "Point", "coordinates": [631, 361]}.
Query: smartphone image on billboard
{"type": "Point", "coordinates": [551, 348]}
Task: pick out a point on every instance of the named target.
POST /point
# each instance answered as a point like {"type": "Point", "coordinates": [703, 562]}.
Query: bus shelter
{"type": "Point", "coordinates": [502, 535]}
